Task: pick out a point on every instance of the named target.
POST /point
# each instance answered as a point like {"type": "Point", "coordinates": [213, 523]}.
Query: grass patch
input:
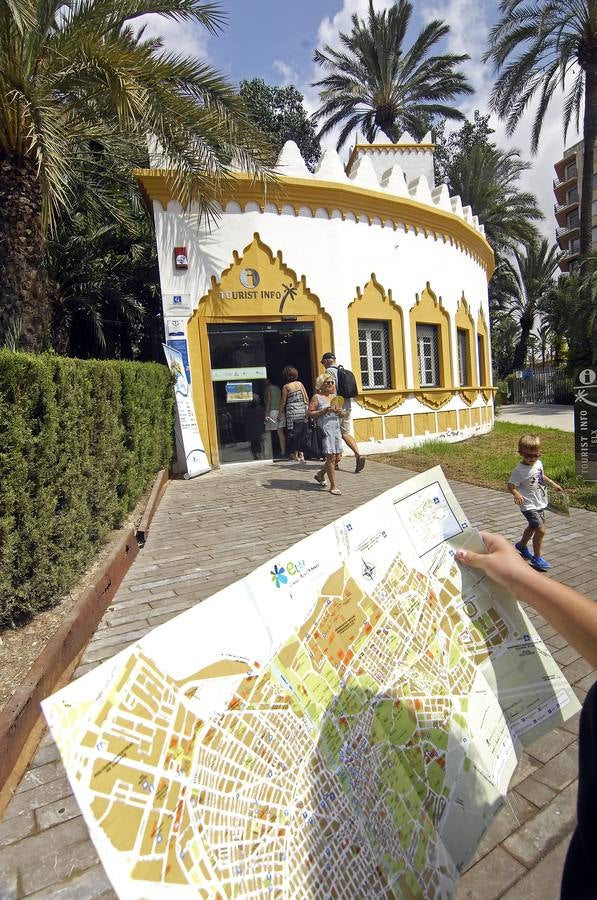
{"type": "Point", "coordinates": [488, 460]}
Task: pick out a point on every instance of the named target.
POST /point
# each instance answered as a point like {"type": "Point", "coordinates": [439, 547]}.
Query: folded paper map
{"type": "Point", "coordinates": [343, 722]}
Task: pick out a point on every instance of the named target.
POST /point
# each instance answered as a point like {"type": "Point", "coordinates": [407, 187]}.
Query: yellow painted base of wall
{"type": "Point", "coordinates": [368, 429]}
{"type": "Point", "coordinates": [424, 422]}
{"type": "Point", "coordinates": [397, 426]}
{"type": "Point", "coordinates": [447, 420]}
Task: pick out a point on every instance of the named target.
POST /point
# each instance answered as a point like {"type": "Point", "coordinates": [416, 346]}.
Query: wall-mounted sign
{"type": "Point", "coordinates": [249, 278]}
{"type": "Point", "coordinates": [175, 328]}
{"type": "Point", "coordinates": [181, 259]}
{"type": "Point", "coordinates": [286, 291]}
{"type": "Point", "coordinates": [239, 374]}
{"type": "Point", "coordinates": [176, 305]}
{"type": "Point", "coordinates": [239, 392]}
{"type": "Point", "coordinates": [585, 425]}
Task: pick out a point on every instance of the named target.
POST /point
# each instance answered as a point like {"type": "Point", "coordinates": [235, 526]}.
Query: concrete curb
{"type": "Point", "coordinates": [157, 491]}
{"type": "Point", "coordinates": [21, 721]}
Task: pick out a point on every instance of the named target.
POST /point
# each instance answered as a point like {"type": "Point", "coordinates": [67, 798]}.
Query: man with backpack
{"type": "Point", "coordinates": [346, 387]}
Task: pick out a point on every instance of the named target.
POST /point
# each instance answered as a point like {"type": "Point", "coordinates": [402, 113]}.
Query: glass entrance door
{"type": "Point", "coordinates": [246, 370]}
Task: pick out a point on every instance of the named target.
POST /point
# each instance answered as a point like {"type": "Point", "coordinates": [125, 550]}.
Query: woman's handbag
{"type": "Point", "coordinates": [313, 441]}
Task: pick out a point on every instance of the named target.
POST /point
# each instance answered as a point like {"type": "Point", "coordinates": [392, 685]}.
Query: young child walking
{"type": "Point", "coordinates": [527, 485]}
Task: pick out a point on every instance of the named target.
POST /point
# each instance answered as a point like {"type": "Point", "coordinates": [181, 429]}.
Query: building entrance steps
{"type": "Point", "coordinates": [209, 532]}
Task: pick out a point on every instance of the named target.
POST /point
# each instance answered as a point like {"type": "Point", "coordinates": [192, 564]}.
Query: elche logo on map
{"type": "Point", "coordinates": [281, 574]}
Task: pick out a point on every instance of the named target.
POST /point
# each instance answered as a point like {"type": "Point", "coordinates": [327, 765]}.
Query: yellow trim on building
{"type": "Point", "coordinates": [428, 310]}
{"type": "Point", "coordinates": [463, 321]}
{"type": "Point", "coordinates": [330, 196]}
{"type": "Point", "coordinates": [373, 304]}
{"type": "Point", "coordinates": [229, 300]}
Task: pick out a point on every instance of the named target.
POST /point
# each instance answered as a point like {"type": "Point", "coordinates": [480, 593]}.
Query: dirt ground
{"type": "Point", "coordinates": [20, 647]}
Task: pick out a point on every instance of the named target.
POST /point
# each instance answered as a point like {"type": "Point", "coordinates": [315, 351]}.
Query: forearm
{"type": "Point", "coordinates": [571, 613]}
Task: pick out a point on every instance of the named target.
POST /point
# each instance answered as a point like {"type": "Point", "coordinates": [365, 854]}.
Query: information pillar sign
{"type": "Point", "coordinates": [585, 424]}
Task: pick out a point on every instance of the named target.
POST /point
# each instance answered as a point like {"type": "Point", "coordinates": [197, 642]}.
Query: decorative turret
{"type": "Point", "coordinates": [414, 158]}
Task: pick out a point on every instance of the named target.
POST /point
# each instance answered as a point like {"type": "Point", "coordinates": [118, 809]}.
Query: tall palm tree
{"type": "Point", "coordinates": [537, 47]}
{"type": "Point", "coordinates": [374, 83]}
{"type": "Point", "coordinates": [81, 92]}
{"type": "Point", "coordinates": [486, 179]}
{"type": "Point", "coordinates": [528, 278]}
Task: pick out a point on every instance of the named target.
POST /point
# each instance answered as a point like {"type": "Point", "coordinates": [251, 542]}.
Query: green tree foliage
{"type": "Point", "coordinates": [570, 310]}
{"type": "Point", "coordinates": [280, 114]}
{"type": "Point", "coordinates": [374, 83]}
{"type": "Point", "coordinates": [104, 274]}
{"type": "Point", "coordinates": [526, 280]}
{"type": "Point", "coordinates": [81, 92]}
{"type": "Point", "coordinates": [458, 142]}
{"type": "Point", "coordinates": [540, 49]}
{"type": "Point", "coordinates": [487, 179]}
{"type": "Point", "coordinates": [79, 443]}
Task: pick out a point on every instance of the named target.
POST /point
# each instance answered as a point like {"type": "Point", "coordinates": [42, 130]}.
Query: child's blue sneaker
{"type": "Point", "coordinates": [524, 551]}
{"type": "Point", "coordinates": [538, 562]}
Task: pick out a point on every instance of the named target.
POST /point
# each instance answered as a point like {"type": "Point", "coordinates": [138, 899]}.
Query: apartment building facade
{"type": "Point", "coordinates": [567, 188]}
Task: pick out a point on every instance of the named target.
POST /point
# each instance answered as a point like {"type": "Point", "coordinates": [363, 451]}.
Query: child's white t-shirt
{"type": "Point", "coordinates": [530, 483]}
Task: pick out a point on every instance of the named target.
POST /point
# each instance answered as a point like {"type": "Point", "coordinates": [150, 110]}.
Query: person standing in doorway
{"type": "Point", "coordinates": [328, 361]}
{"type": "Point", "coordinates": [293, 407]}
{"type": "Point", "coordinates": [272, 398]}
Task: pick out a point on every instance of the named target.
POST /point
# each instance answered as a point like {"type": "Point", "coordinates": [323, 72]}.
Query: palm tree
{"type": "Point", "coordinates": [536, 47]}
{"type": "Point", "coordinates": [486, 179]}
{"type": "Point", "coordinates": [528, 278]}
{"type": "Point", "coordinates": [80, 94]}
{"type": "Point", "coordinates": [373, 83]}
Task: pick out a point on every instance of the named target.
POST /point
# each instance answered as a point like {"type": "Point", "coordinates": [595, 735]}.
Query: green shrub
{"type": "Point", "coordinates": [501, 394]}
{"type": "Point", "coordinates": [79, 443]}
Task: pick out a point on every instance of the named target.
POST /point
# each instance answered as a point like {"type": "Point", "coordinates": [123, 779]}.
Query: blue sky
{"type": "Point", "coordinates": [275, 40]}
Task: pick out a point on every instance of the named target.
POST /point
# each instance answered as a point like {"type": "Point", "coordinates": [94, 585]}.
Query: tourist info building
{"type": "Point", "coordinates": [369, 260]}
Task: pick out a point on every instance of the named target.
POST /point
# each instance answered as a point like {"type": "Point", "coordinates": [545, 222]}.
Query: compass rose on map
{"type": "Point", "coordinates": [368, 570]}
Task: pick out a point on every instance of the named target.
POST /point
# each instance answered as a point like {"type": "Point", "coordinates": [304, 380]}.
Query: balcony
{"type": "Point", "coordinates": [566, 179]}
{"type": "Point", "coordinates": [566, 204]}
{"type": "Point", "coordinates": [567, 230]}
{"type": "Point", "coordinates": [570, 252]}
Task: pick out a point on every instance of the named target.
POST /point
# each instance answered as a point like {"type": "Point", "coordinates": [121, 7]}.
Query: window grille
{"type": "Point", "coordinates": [374, 353]}
{"type": "Point", "coordinates": [463, 374]}
{"type": "Point", "coordinates": [428, 355]}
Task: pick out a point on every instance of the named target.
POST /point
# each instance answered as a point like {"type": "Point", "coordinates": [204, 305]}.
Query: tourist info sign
{"type": "Point", "coordinates": [343, 722]}
{"type": "Point", "coordinates": [585, 424]}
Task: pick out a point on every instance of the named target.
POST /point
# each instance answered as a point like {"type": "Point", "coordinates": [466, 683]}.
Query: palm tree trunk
{"type": "Point", "coordinates": [24, 304]}
{"type": "Point", "coordinates": [589, 137]}
{"type": "Point", "coordinates": [522, 347]}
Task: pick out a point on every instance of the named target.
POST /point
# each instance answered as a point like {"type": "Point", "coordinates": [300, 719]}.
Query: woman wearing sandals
{"type": "Point", "coordinates": [293, 412]}
{"type": "Point", "coordinates": [322, 408]}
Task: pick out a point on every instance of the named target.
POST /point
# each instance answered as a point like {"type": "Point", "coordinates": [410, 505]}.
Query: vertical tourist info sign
{"type": "Point", "coordinates": [585, 424]}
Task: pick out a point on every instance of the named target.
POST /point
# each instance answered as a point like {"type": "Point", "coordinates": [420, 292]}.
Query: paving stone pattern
{"type": "Point", "coordinates": [209, 532]}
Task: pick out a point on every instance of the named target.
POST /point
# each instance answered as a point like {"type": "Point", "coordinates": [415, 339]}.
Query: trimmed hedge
{"type": "Point", "coordinates": [79, 443]}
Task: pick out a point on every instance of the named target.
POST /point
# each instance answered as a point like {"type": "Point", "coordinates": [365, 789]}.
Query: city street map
{"type": "Point", "coordinates": [341, 723]}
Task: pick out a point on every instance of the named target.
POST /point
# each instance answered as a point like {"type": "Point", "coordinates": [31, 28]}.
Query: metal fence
{"type": "Point", "coordinates": [541, 386]}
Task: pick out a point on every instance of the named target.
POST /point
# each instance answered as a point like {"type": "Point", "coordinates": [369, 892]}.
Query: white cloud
{"type": "Point", "coordinates": [184, 38]}
{"type": "Point", "coordinates": [289, 75]}
{"type": "Point", "coordinates": [330, 28]}
{"type": "Point", "coordinates": [470, 22]}
{"type": "Point", "coordinates": [460, 15]}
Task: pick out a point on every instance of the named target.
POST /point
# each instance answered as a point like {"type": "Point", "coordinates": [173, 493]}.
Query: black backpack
{"type": "Point", "coordinates": [347, 383]}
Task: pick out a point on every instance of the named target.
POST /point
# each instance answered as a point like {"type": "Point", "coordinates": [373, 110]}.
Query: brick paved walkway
{"type": "Point", "coordinates": [208, 533]}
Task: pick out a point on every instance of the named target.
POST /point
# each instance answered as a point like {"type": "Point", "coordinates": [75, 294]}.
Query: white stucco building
{"type": "Point", "coordinates": [371, 261]}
